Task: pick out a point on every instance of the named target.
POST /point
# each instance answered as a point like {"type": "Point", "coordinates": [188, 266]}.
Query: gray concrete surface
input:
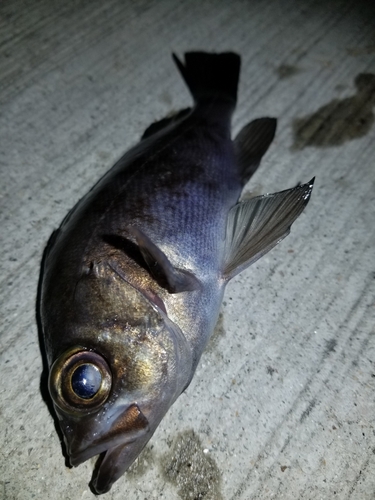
{"type": "Point", "coordinates": [282, 404]}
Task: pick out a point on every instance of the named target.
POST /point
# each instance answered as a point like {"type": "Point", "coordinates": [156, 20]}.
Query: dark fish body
{"type": "Point", "coordinates": [134, 277]}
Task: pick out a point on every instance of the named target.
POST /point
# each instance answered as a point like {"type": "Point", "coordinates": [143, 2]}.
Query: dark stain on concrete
{"type": "Point", "coordinates": [218, 333]}
{"type": "Point", "coordinates": [193, 472]}
{"type": "Point", "coordinates": [330, 346]}
{"type": "Point", "coordinates": [361, 51]}
{"type": "Point", "coordinates": [308, 410]}
{"type": "Point", "coordinates": [339, 121]}
{"type": "Point", "coordinates": [286, 71]}
{"type": "Point", "coordinates": [270, 370]}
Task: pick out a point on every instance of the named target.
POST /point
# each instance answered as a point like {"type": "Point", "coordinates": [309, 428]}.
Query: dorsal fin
{"type": "Point", "coordinates": [164, 122]}
{"type": "Point", "coordinates": [255, 226]}
{"type": "Point", "coordinates": [165, 274]}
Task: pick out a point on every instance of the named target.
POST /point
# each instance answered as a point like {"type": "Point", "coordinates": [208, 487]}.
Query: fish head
{"type": "Point", "coordinates": [119, 364]}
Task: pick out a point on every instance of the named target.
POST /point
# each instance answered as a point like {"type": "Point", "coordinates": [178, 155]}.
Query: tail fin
{"type": "Point", "coordinates": [210, 76]}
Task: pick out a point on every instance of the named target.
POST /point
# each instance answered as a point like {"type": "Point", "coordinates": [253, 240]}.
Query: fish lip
{"type": "Point", "coordinates": [79, 458]}
{"type": "Point", "coordinates": [80, 454]}
{"type": "Point", "coordinates": [92, 450]}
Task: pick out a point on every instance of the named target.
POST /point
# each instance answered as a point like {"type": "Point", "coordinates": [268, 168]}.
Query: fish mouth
{"type": "Point", "coordinates": [111, 463]}
{"type": "Point", "coordinates": [118, 445]}
{"type": "Point", "coordinates": [78, 458]}
{"type": "Point", "coordinates": [109, 467]}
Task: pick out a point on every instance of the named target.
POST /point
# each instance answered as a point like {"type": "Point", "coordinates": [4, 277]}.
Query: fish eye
{"type": "Point", "coordinates": [86, 381]}
{"type": "Point", "coordinates": [79, 381]}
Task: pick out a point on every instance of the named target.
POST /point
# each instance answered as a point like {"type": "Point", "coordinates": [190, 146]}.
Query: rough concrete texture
{"type": "Point", "coordinates": [282, 404]}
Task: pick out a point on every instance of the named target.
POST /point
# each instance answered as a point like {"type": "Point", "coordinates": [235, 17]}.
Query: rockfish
{"type": "Point", "coordinates": [134, 277]}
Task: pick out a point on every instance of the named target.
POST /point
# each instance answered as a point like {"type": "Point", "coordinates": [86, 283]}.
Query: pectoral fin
{"type": "Point", "coordinates": [255, 226]}
{"type": "Point", "coordinates": [165, 274]}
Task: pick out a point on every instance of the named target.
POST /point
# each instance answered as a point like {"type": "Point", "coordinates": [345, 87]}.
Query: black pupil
{"type": "Point", "coordinates": [86, 381]}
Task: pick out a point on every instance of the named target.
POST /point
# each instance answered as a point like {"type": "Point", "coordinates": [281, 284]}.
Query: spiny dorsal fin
{"type": "Point", "coordinates": [165, 122]}
{"type": "Point", "coordinates": [255, 226]}
{"type": "Point", "coordinates": [251, 144]}
{"type": "Point", "coordinates": [165, 274]}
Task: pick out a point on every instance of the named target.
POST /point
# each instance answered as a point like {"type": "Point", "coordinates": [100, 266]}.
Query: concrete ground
{"type": "Point", "coordinates": [283, 403]}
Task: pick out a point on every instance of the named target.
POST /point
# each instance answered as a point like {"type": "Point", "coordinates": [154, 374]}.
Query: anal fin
{"type": "Point", "coordinates": [251, 144]}
{"type": "Point", "coordinates": [255, 226]}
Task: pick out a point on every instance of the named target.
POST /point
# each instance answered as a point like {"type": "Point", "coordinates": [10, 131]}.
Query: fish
{"type": "Point", "coordinates": [133, 279]}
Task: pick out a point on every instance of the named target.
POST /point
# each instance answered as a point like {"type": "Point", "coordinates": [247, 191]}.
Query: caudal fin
{"type": "Point", "coordinates": [211, 76]}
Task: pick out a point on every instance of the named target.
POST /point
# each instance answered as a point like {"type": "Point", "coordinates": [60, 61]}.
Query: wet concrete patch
{"type": "Point", "coordinates": [193, 471]}
{"type": "Point", "coordinates": [286, 71]}
{"type": "Point", "coordinates": [145, 460]}
{"type": "Point", "coordinates": [339, 121]}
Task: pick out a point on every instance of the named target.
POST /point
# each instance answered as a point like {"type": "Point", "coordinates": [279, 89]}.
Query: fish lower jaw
{"type": "Point", "coordinates": [105, 473]}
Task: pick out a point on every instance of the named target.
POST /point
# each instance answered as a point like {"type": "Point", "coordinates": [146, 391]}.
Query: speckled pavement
{"type": "Point", "coordinates": [282, 405]}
